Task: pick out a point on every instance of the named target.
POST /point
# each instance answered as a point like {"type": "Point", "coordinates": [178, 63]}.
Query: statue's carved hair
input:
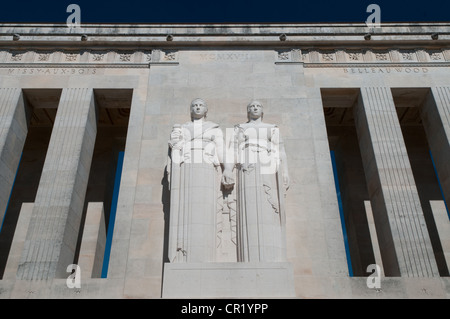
{"type": "Point", "coordinates": [199, 99]}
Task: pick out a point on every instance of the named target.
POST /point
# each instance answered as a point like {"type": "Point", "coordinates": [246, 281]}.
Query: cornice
{"type": "Point", "coordinates": [171, 35]}
{"type": "Point", "coordinates": [313, 45]}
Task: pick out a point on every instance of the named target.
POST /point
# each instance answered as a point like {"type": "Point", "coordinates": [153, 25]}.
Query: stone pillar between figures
{"type": "Point", "coordinates": [51, 238]}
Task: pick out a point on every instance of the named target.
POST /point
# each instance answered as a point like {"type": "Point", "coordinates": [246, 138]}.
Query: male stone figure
{"type": "Point", "coordinates": [196, 154]}
{"type": "Point", "coordinates": [262, 179]}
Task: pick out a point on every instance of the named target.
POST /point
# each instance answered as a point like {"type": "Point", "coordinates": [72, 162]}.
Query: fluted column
{"type": "Point", "coordinates": [402, 233]}
{"type": "Point", "coordinates": [13, 132]}
{"type": "Point", "coordinates": [52, 236]}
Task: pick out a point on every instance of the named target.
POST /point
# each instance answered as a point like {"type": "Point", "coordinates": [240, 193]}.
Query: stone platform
{"type": "Point", "coordinates": [228, 280]}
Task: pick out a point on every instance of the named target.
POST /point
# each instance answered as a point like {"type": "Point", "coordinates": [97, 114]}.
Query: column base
{"type": "Point", "coordinates": [228, 280]}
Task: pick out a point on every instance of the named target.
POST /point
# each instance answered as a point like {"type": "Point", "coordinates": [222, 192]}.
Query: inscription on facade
{"type": "Point", "coordinates": [386, 70]}
{"type": "Point", "coordinates": [227, 56]}
{"type": "Point", "coordinates": [49, 71]}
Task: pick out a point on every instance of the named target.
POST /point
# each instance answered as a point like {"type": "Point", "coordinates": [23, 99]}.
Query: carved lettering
{"type": "Point", "coordinates": [50, 71]}
{"type": "Point", "coordinates": [386, 70]}
{"type": "Point", "coordinates": [227, 56]}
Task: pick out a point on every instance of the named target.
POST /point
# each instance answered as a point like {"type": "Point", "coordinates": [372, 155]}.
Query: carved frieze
{"type": "Point", "coordinates": [328, 57]}
{"type": "Point", "coordinates": [71, 57]}
{"type": "Point", "coordinates": [339, 57]}
{"type": "Point", "coordinates": [354, 56]}
{"type": "Point", "coordinates": [289, 55]}
{"type": "Point", "coordinates": [381, 56]}
{"type": "Point", "coordinates": [97, 58]}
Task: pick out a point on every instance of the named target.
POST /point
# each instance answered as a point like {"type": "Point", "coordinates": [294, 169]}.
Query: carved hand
{"type": "Point", "coordinates": [227, 179]}
{"type": "Point", "coordinates": [176, 135]}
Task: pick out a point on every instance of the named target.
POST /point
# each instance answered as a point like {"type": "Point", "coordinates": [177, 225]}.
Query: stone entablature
{"type": "Point", "coordinates": [310, 57]}
{"type": "Point", "coordinates": [77, 58]}
{"type": "Point", "coordinates": [315, 45]}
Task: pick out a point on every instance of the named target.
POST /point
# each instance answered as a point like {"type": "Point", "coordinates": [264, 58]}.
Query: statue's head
{"type": "Point", "coordinates": [255, 110]}
{"type": "Point", "coordinates": [199, 109]}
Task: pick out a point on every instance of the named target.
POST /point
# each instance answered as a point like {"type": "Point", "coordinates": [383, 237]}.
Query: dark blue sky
{"type": "Point", "coordinates": [215, 11]}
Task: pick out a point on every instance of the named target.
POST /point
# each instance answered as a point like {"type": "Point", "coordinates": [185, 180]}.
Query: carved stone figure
{"type": "Point", "coordinates": [262, 179]}
{"type": "Point", "coordinates": [196, 152]}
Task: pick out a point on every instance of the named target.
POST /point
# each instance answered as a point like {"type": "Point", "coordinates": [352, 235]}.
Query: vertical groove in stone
{"type": "Point", "coordinates": [56, 214]}
{"type": "Point", "coordinates": [5, 112]}
{"type": "Point", "coordinates": [416, 259]}
{"type": "Point", "coordinates": [13, 131]}
{"type": "Point", "coordinates": [443, 96]}
{"type": "Point", "coordinates": [400, 180]}
{"type": "Point", "coordinates": [383, 160]}
{"type": "Point", "coordinates": [9, 98]}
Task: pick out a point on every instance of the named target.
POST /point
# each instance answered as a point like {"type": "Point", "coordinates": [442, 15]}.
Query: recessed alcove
{"type": "Point", "coordinates": [343, 141]}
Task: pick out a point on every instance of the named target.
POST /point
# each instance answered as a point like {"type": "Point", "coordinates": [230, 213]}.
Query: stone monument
{"type": "Point", "coordinates": [85, 119]}
{"type": "Point", "coordinates": [203, 261]}
{"type": "Point", "coordinates": [196, 152]}
{"type": "Point", "coordinates": [263, 179]}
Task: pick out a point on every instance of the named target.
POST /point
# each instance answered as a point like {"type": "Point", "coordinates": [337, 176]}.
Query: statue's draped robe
{"type": "Point", "coordinates": [259, 192]}
{"type": "Point", "coordinates": [194, 188]}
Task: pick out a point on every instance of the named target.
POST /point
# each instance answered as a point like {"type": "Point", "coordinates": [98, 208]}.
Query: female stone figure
{"type": "Point", "coordinates": [262, 179]}
{"type": "Point", "coordinates": [196, 152]}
